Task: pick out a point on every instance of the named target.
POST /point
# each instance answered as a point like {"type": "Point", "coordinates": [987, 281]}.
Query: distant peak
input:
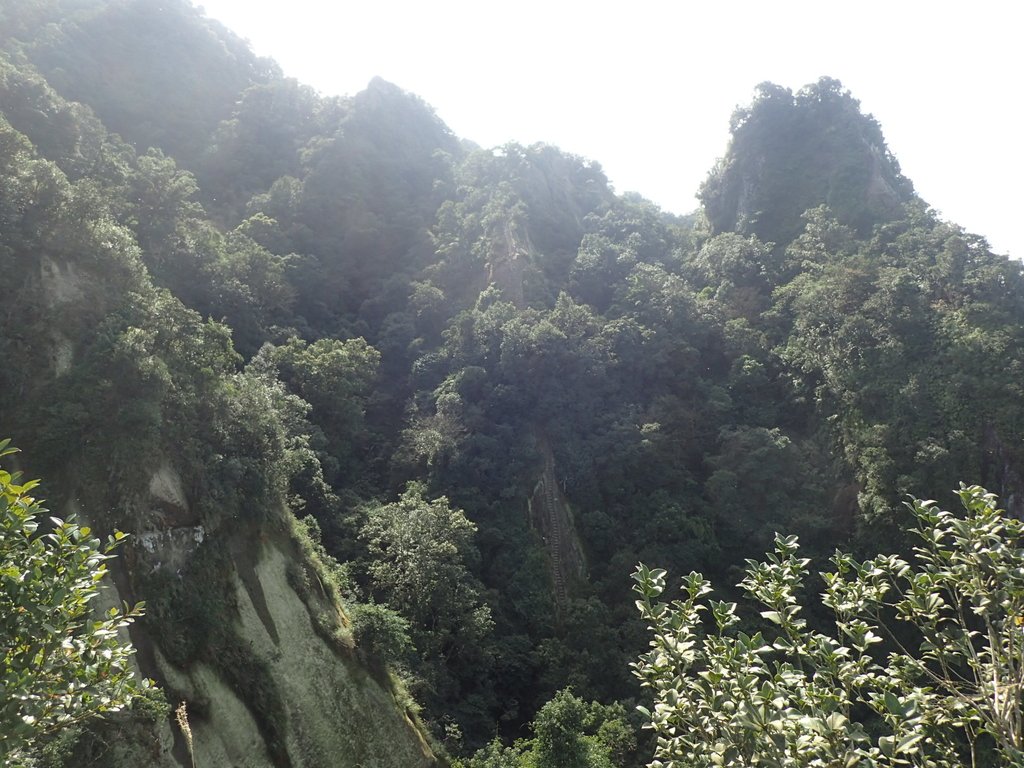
{"type": "Point", "coordinates": [790, 152]}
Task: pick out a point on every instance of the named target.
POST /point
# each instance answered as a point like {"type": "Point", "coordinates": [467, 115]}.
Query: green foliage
{"type": "Point", "coordinates": [259, 144]}
{"type": "Point", "coordinates": [886, 337]}
{"type": "Point", "coordinates": [946, 689]}
{"type": "Point", "coordinates": [96, 743]}
{"type": "Point", "coordinates": [762, 464]}
{"type": "Point", "coordinates": [790, 152]}
{"type": "Point", "coordinates": [59, 665]}
{"type": "Point", "coordinates": [494, 755]}
{"type": "Point", "coordinates": [420, 551]}
{"type": "Point", "coordinates": [380, 632]}
{"type": "Point", "coordinates": [172, 101]}
{"type": "Point", "coordinates": [361, 208]}
{"type": "Point", "coordinates": [568, 733]}
{"type": "Point", "coordinates": [741, 272]}
{"type": "Point", "coordinates": [335, 377]}
{"type": "Point", "coordinates": [350, 299]}
{"type": "Point", "coordinates": [558, 736]}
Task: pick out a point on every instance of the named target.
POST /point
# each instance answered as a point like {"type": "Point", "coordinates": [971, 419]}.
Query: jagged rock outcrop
{"type": "Point", "coordinates": [793, 152]}
{"type": "Point", "coordinates": [551, 516]}
{"type": "Point", "coordinates": [509, 253]}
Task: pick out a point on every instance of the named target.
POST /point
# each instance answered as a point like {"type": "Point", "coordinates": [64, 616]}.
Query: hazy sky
{"type": "Point", "coordinates": [647, 90]}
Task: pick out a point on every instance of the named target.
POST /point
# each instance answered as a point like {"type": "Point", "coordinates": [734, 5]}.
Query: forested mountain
{"type": "Point", "coordinates": [391, 418]}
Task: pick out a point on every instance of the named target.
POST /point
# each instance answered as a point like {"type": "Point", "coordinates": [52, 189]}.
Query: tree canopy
{"type": "Point", "coordinates": [471, 387]}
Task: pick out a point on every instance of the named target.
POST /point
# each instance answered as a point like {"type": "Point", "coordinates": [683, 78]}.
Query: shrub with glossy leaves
{"type": "Point", "coordinates": [925, 666]}
{"type": "Point", "coordinates": [59, 664]}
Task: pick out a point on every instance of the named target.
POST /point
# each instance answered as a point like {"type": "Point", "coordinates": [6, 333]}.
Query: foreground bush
{"type": "Point", "coordinates": [925, 665]}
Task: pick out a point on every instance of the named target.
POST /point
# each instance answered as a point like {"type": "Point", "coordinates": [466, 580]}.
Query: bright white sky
{"type": "Point", "coordinates": [647, 91]}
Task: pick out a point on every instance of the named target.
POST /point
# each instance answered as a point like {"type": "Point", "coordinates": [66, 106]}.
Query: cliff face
{"type": "Point", "coordinates": [316, 703]}
{"type": "Point", "coordinates": [319, 704]}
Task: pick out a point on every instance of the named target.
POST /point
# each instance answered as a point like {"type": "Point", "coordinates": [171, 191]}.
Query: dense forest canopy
{"type": "Point", "coordinates": [473, 386]}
